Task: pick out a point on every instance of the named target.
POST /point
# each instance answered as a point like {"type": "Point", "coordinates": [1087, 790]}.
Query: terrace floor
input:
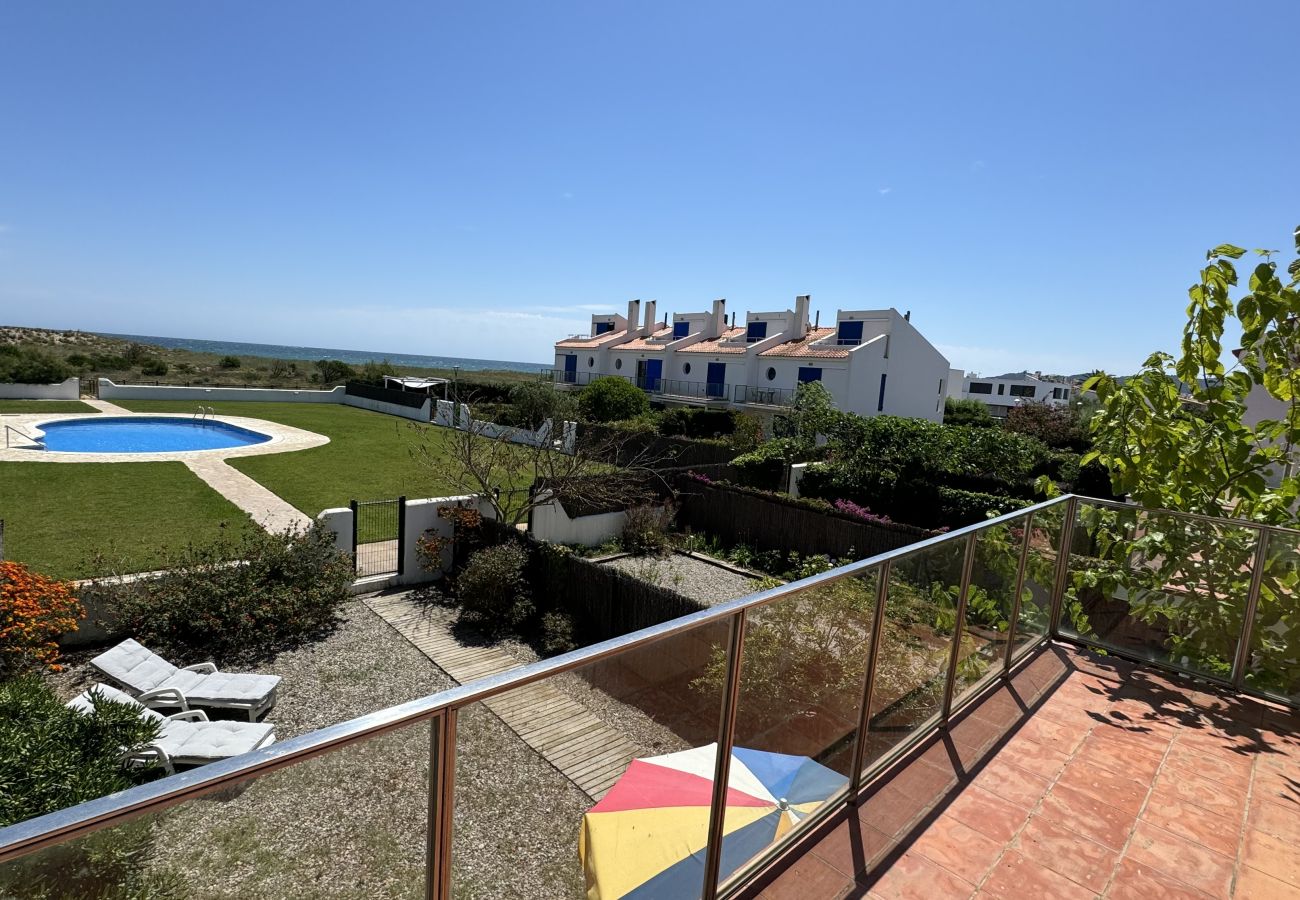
{"type": "Point", "coordinates": [1084, 776]}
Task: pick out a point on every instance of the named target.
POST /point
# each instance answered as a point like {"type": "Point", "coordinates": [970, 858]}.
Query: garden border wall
{"type": "Point", "coordinates": [111, 391]}
{"type": "Point", "coordinates": [67, 389]}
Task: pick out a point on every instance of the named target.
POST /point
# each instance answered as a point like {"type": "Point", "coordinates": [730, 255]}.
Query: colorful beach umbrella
{"type": "Point", "coordinates": [645, 840]}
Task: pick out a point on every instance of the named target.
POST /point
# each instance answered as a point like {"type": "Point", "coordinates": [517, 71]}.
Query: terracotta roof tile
{"type": "Point", "coordinates": [714, 345]}
{"type": "Point", "coordinates": [645, 344]}
{"type": "Point", "coordinates": [804, 347]}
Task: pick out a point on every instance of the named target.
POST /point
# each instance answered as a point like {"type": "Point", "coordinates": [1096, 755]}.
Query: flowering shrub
{"type": "Point", "coordinates": [34, 611]}
{"type": "Point", "coordinates": [465, 520]}
{"type": "Point", "coordinates": [849, 508]}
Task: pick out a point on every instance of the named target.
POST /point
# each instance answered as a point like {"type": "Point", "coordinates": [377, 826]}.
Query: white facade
{"type": "Point", "coordinates": [1005, 392]}
{"type": "Point", "coordinates": [871, 361]}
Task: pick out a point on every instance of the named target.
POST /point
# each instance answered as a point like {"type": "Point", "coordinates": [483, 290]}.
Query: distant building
{"type": "Point", "coordinates": [871, 361]}
{"type": "Point", "coordinates": [1004, 392]}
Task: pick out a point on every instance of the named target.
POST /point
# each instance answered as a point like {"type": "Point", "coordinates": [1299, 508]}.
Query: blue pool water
{"type": "Point", "coordinates": [144, 435]}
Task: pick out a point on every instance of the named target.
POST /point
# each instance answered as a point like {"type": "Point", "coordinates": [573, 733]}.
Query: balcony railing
{"type": "Point", "coordinates": [578, 379]}
{"type": "Point", "coordinates": [694, 390]}
{"type": "Point", "coordinates": [850, 668]}
{"type": "Point", "coordinates": [764, 396]}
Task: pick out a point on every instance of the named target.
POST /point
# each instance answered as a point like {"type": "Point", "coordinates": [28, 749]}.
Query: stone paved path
{"type": "Point", "coordinates": [583, 748]}
{"type": "Point", "coordinates": [266, 508]}
{"type": "Point", "coordinates": [105, 406]}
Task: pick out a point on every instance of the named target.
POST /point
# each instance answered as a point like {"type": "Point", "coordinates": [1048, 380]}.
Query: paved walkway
{"type": "Point", "coordinates": [266, 508]}
{"type": "Point", "coordinates": [105, 406]}
{"type": "Point", "coordinates": [564, 732]}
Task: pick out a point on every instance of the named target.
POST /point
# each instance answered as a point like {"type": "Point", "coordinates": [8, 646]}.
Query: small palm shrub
{"type": "Point", "coordinates": [492, 589]}
{"type": "Point", "coordinates": [34, 611]}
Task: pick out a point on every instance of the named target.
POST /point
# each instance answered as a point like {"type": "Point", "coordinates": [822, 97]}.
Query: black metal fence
{"type": "Point", "coordinates": [385, 395]}
{"type": "Point", "coordinates": [378, 535]}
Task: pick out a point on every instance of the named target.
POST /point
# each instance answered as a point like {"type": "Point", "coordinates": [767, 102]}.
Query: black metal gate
{"type": "Point", "coordinates": [378, 535]}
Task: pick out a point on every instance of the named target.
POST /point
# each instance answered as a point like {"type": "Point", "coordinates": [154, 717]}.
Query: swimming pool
{"type": "Point", "coordinates": [145, 435]}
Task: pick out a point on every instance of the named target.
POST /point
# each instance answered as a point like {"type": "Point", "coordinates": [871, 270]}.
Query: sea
{"type": "Point", "coordinates": [355, 357]}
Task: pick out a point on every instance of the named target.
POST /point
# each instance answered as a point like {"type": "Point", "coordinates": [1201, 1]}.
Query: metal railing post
{"type": "Point", "coordinates": [442, 796]}
{"type": "Point", "coordinates": [869, 681]}
{"type": "Point", "coordinates": [1252, 605]}
{"type": "Point", "coordinates": [722, 767]}
{"type": "Point", "coordinates": [968, 563]}
{"type": "Point", "coordinates": [401, 535]}
{"type": "Point", "coordinates": [356, 514]}
{"type": "Point", "coordinates": [1062, 566]}
{"type": "Point", "coordinates": [1014, 621]}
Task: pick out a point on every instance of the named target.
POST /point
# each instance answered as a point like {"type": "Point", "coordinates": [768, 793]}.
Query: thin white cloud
{"type": "Point", "coordinates": [977, 165]}
{"type": "Point", "coordinates": [567, 195]}
{"type": "Point", "coordinates": [884, 190]}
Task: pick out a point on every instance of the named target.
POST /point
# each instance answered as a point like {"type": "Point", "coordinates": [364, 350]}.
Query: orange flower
{"type": "Point", "coordinates": [34, 612]}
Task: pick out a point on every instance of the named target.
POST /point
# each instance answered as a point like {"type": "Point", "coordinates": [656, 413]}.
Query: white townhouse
{"type": "Point", "coordinates": [871, 361]}
{"type": "Point", "coordinates": [1002, 393]}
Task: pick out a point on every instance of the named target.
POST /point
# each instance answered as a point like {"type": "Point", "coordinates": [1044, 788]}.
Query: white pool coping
{"type": "Point", "coordinates": [283, 439]}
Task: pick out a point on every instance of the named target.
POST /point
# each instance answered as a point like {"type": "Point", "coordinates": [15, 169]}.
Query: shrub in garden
{"type": "Point", "coordinates": [154, 367]}
{"type": "Point", "coordinates": [534, 402]}
{"type": "Point", "coordinates": [645, 531]}
{"type": "Point", "coordinates": [52, 757]}
{"type": "Point", "coordinates": [492, 589]}
{"type": "Point", "coordinates": [230, 362]}
{"type": "Point", "coordinates": [28, 365]}
{"type": "Point", "coordinates": [610, 399]}
{"type": "Point", "coordinates": [284, 589]}
{"type": "Point", "coordinates": [34, 611]}
{"type": "Point", "coordinates": [557, 633]}
{"type": "Point", "coordinates": [968, 412]}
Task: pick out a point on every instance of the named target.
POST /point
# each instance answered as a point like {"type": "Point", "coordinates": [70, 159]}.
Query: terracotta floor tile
{"type": "Point", "coordinates": [807, 878]}
{"type": "Point", "coordinates": [1273, 786]}
{"type": "Point", "coordinates": [1088, 816]}
{"type": "Point", "coordinates": [1045, 731]}
{"type": "Point", "coordinates": [851, 847]}
{"type": "Point", "coordinates": [990, 815]}
{"type": "Point", "coordinates": [1101, 784]}
{"type": "Point", "coordinates": [1119, 759]}
{"type": "Point", "coordinates": [1134, 881]}
{"type": "Point", "coordinates": [1272, 855]}
{"type": "Point", "coordinates": [1019, 878]}
{"type": "Point", "coordinates": [1010, 782]}
{"type": "Point", "coordinates": [1067, 712]}
{"type": "Point", "coordinates": [960, 849]}
{"type": "Point", "coordinates": [1067, 853]}
{"type": "Point", "coordinates": [1181, 859]}
{"type": "Point", "coordinates": [924, 781]}
{"type": "Point", "coordinates": [1041, 759]}
{"type": "Point", "coordinates": [1209, 795]}
{"type": "Point", "coordinates": [1278, 819]}
{"type": "Point", "coordinates": [1253, 884]}
{"type": "Point", "coordinates": [1220, 833]}
{"type": "Point", "coordinates": [913, 877]}
{"type": "Point", "coordinates": [890, 811]}
{"type": "Point", "coordinates": [976, 732]}
{"type": "Point", "coordinates": [1232, 771]}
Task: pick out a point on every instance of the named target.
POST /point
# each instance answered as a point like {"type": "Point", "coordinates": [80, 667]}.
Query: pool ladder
{"type": "Point", "coordinates": [205, 412]}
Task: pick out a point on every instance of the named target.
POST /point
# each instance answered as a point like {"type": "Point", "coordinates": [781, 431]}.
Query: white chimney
{"type": "Point", "coordinates": [633, 314]}
{"type": "Point", "coordinates": [649, 327]}
{"type": "Point", "coordinates": [718, 320]}
{"type": "Point", "coordinates": [801, 304]}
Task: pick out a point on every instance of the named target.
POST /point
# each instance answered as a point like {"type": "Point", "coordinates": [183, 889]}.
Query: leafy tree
{"type": "Point", "coordinates": [29, 365]}
{"type": "Point", "coordinates": [373, 372]}
{"type": "Point", "coordinates": [967, 412]}
{"type": "Point", "coordinates": [1175, 436]}
{"type": "Point", "coordinates": [1055, 426]}
{"type": "Point", "coordinates": [333, 371]}
{"type": "Point", "coordinates": [811, 413]}
{"type": "Point", "coordinates": [535, 402]}
{"type": "Point", "coordinates": [610, 399]}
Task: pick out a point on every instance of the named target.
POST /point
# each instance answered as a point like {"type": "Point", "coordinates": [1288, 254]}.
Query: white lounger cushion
{"type": "Point", "coordinates": [140, 669]}
{"type": "Point", "coordinates": [190, 743]}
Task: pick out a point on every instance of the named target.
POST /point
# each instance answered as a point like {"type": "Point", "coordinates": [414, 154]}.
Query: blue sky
{"type": "Point", "coordinates": [1036, 182]}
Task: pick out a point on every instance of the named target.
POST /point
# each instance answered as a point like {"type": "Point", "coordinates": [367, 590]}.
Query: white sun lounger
{"type": "Point", "coordinates": [157, 683]}
{"type": "Point", "coordinates": [187, 738]}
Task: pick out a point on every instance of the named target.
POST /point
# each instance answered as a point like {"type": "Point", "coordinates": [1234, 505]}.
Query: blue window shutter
{"type": "Point", "coordinates": [681, 329]}
{"type": "Point", "coordinates": [850, 332]}
{"type": "Point", "coordinates": [602, 327]}
{"type": "Point", "coordinates": [880, 403]}
{"type": "Point", "coordinates": [755, 331]}
{"type": "Point", "coordinates": [810, 373]}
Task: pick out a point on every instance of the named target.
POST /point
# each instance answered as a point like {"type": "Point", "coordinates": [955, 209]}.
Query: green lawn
{"type": "Point", "coordinates": [368, 456]}
{"type": "Point", "coordinates": [45, 406]}
{"type": "Point", "coordinates": [57, 515]}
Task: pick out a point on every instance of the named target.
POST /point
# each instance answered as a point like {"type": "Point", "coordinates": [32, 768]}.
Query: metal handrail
{"type": "Point", "coordinates": [441, 709]}
{"type": "Point", "coordinates": [69, 823]}
{"type": "Point", "coordinates": [764, 396]}
{"type": "Point", "coordinates": [18, 431]}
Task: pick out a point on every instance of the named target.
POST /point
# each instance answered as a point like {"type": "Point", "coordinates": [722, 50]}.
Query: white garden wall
{"type": "Point", "coordinates": [552, 523]}
{"type": "Point", "coordinates": [110, 391]}
{"type": "Point", "coordinates": [418, 414]}
{"type": "Point", "coordinates": [68, 389]}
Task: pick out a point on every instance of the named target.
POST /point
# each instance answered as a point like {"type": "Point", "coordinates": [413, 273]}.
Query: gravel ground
{"type": "Point", "coordinates": [352, 823]}
{"type": "Point", "coordinates": [691, 577]}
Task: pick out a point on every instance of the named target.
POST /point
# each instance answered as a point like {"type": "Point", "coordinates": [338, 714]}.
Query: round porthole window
{"type": "Point", "coordinates": [771, 374]}
{"type": "Point", "coordinates": [686, 368]}
{"type": "Point", "coordinates": [591, 361]}
{"type": "Point", "coordinates": [618, 363]}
